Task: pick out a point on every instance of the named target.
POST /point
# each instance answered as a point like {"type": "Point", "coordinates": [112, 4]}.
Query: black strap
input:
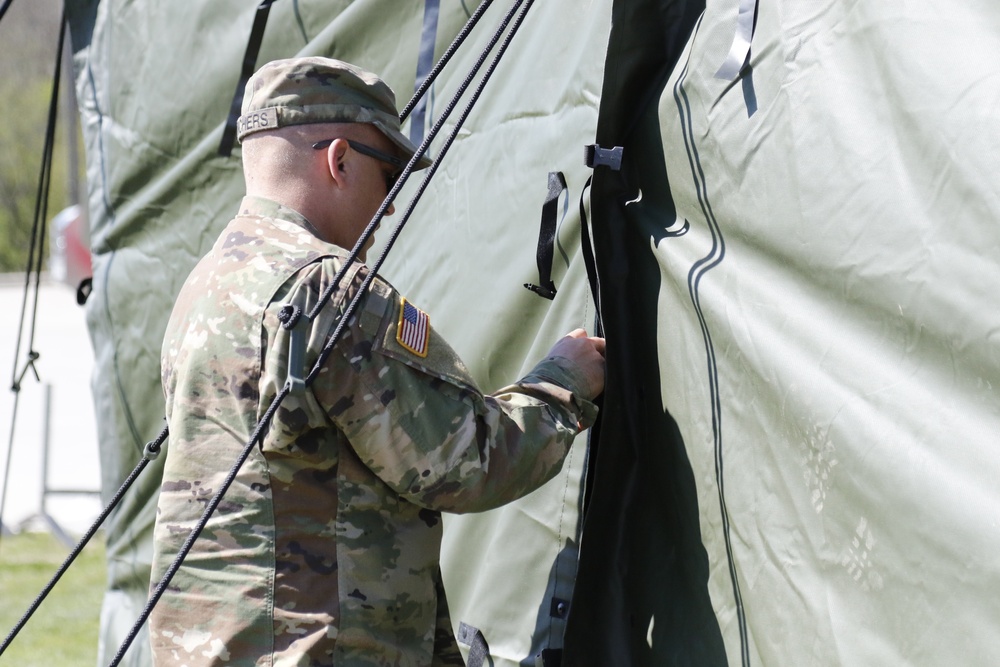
{"type": "Point", "coordinates": [588, 258]}
{"type": "Point", "coordinates": [83, 290]}
{"type": "Point", "coordinates": [547, 237]}
{"type": "Point", "coordinates": [549, 657]}
{"type": "Point", "coordinates": [479, 650]}
{"type": "Point", "coordinates": [593, 435]}
{"type": "Point", "coordinates": [249, 62]}
{"type": "Point", "coordinates": [595, 156]}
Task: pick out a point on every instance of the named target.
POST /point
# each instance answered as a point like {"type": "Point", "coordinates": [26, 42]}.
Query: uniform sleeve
{"type": "Point", "coordinates": [417, 420]}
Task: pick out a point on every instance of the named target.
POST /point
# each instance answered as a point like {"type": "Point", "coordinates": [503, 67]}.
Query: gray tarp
{"type": "Point", "coordinates": [155, 82]}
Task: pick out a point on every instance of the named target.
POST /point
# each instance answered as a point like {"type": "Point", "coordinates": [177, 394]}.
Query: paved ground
{"type": "Point", "coordinates": [64, 368]}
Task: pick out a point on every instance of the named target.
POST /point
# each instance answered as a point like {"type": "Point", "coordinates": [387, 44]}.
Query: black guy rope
{"type": "Point", "coordinates": [35, 256]}
{"type": "Point", "coordinates": [445, 59]}
{"type": "Point", "coordinates": [352, 307]}
{"type": "Point", "coordinates": [153, 448]}
{"type": "Point", "coordinates": [150, 453]}
{"type": "Point", "coordinates": [200, 526]}
{"type": "Point", "coordinates": [249, 60]}
{"type": "Point", "coordinates": [4, 8]}
{"type": "Point", "coordinates": [421, 150]}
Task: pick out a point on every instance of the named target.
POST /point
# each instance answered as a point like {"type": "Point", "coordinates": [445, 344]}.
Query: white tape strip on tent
{"type": "Point", "coordinates": [839, 278]}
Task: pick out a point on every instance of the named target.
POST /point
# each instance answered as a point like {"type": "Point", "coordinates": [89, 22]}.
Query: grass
{"type": "Point", "coordinates": [63, 631]}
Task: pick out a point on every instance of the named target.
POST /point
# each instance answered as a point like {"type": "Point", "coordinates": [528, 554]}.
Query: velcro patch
{"type": "Point", "coordinates": [414, 329]}
{"type": "Point", "coordinates": [262, 119]}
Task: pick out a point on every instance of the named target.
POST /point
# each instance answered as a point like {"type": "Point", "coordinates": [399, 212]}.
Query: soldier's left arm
{"type": "Point", "coordinates": [416, 418]}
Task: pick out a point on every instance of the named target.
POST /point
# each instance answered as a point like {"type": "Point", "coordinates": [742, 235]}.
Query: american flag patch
{"type": "Point", "coordinates": [414, 329]}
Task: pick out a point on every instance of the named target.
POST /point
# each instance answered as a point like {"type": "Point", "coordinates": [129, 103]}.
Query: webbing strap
{"type": "Point", "coordinates": [595, 156]}
{"type": "Point", "coordinates": [738, 56]}
{"type": "Point", "coordinates": [472, 637]}
{"type": "Point", "coordinates": [737, 63]}
{"type": "Point", "coordinates": [425, 63]}
{"type": "Point", "coordinates": [249, 62]}
{"type": "Point", "coordinates": [588, 258]}
{"type": "Point", "coordinates": [547, 237]}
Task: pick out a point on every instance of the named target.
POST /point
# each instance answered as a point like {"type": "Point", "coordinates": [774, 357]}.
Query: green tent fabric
{"type": "Point", "coordinates": [155, 82]}
{"type": "Point", "coordinates": [809, 274]}
{"type": "Point", "coordinates": [797, 272]}
{"type": "Point", "coordinates": [465, 257]}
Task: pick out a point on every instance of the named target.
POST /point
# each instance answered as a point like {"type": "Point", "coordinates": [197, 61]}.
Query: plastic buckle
{"type": "Point", "coordinates": [595, 156]}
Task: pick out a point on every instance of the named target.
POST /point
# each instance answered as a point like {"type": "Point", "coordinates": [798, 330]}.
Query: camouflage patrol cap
{"type": "Point", "coordinates": [313, 89]}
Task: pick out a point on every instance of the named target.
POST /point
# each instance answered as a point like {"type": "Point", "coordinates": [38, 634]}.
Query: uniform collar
{"type": "Point", "coordinates": [262, 207]}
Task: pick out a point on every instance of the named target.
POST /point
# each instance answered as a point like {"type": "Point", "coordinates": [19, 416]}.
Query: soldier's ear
{"type": "Point", "coordinates": [336, 160]}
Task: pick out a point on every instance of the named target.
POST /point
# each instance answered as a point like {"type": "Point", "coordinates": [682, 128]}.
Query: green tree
{"type": "Point", "coordinates": [22, 136]}
{"type": "Point", "coordinates": [29, 36]}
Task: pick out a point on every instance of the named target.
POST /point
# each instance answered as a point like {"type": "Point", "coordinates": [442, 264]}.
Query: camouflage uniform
{"type": "Point", "coordinates": [325, 549]}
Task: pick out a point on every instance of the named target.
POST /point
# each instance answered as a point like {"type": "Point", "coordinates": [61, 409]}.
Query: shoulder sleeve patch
{"type": "Point", "coordinates": [413, 329]}
{"type": "Point", "coordinates": [422, 349]}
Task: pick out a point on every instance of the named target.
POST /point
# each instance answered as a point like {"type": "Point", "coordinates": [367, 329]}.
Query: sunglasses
{"type": "Point", "coordinates": [398, 163]}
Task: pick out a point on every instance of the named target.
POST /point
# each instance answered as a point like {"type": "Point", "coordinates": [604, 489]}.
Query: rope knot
{"type": "Point", "coordinates": [289, 316]}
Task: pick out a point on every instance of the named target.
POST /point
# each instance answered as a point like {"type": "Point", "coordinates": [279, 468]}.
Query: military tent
{"type": "Point", "coordinates": [790, 217]}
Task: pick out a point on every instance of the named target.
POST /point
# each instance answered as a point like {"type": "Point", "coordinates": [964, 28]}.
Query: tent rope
{"type": "Point", "coordinates": [355, 301]}
{"type": "Point", "coordinates": [150, 453]}
{"type": "Point", "coordinates": [332, 340]}
{"type": "Point", "coordinates": [445, 59]}
{"type": "Point", "coordinates": [154, 598]}
{"type": "Point", "coordinates": [404, 176]}
{"type": "Point", "coordinates": [153, 448]}
{"type": "Point", "coordinates": [35, 256]}
{"type": "Point", "coordinates": [4, 8]}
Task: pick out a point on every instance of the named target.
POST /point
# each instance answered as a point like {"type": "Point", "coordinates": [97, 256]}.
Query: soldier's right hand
{"type": "Point", "coordinates": [587, 354]}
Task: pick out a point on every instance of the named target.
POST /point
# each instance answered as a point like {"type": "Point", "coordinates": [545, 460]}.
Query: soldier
{"type": "Point", "coordinates": [325, 550]}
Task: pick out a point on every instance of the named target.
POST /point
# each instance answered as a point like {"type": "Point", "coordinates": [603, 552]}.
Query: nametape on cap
{"type": "Point", "coordinates": [262, 119]}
